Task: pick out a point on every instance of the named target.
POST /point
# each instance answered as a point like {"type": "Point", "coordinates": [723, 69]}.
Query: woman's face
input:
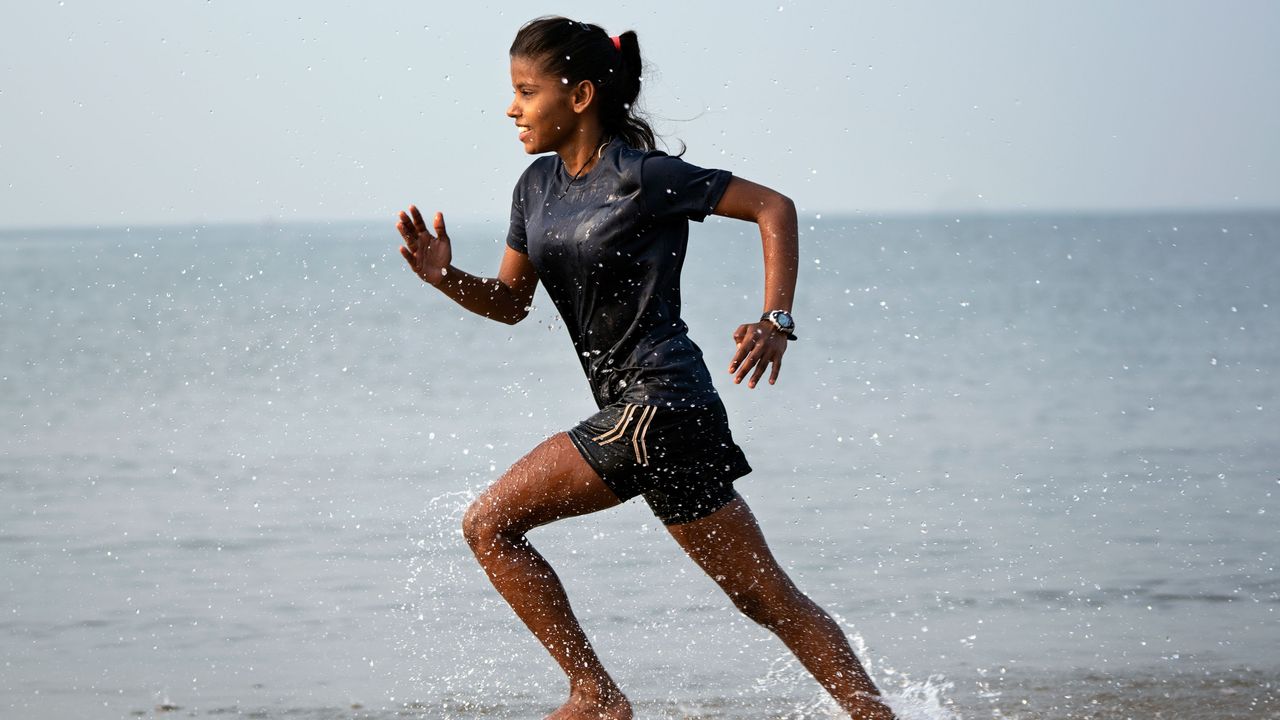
{"type": "Point", "coordinates": [547, 110]}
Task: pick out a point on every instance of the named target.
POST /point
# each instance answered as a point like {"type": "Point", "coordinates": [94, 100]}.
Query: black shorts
{"type": "Point", "coordinates": [682, 460]}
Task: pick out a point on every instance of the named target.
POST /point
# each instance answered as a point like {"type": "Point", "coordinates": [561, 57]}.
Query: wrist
{"type": "Point", "coordinates": [445, 276]}
{"type": "Point", "coordinates": [781, 321]}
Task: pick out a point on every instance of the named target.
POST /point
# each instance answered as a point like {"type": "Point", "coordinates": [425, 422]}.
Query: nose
{"type": "Point", "coordinates": [511, 109]}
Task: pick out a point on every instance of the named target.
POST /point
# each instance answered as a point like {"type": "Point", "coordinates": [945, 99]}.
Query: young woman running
{"type": "Point", "coordinates": [602, 223]}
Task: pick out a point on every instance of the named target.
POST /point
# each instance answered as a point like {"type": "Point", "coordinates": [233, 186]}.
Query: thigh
{"type": "Point", "coordinates": [549, 483]}
{"type": "Point", "coordinates": [683, 460]}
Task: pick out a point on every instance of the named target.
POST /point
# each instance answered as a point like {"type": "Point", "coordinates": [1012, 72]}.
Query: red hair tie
{"type": "Point", "coordinates": [617, 42]}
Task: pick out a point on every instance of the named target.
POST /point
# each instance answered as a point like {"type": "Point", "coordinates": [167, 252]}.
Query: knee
{"type": "Point", "coordinates": [479, 527]}
{"type": "Point", "coordinates": [769, 606]}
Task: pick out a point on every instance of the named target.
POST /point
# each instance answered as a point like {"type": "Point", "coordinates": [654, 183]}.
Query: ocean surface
{"type": "Point", "coordinates": [1030, 463]}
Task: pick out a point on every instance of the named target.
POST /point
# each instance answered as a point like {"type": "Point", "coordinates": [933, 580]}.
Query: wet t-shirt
{"type": "Point", "coordinates": [609, 248]}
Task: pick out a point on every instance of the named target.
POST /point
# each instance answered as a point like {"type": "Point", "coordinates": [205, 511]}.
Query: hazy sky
{"type": "Point", "coordinates": [185, 111]}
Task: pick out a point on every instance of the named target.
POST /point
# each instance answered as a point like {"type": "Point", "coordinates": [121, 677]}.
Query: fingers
{"type": "Point", "coordinates": [757, 351]}
{"type": "Point", "coordinates": [753, 362]}
{"type": "Point", "coordinates": [410, 236]}
{"type": "Point", "coordinates": [439, 225]}
{"type": "Point", "coordinates": [747, 356]}
{"type": "Point", "coordinates": [414, 229]}
{"type": "Point", "coordinates": [761, 366]}
{"type": "Point", "coordinates": [757, 365]}
{"type": "Point", "coordinates": [745, 344]}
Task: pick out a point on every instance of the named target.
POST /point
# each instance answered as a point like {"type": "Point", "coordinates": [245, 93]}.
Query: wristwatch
{"type": "Point", "coordinates": [782, 322]}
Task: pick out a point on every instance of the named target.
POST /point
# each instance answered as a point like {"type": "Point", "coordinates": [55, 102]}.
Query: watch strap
{"type": "Point", "coordinates": [789, 334]}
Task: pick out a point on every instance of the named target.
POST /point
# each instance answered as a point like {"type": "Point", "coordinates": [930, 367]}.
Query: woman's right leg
{"type": "Point", "coordinates": [550, 483]}
{"type": "Point", "coordinates": [729, 546]}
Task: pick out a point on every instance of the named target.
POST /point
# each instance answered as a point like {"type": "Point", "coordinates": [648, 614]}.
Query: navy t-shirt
{"type": "Point", "coordinates": [609, 248]}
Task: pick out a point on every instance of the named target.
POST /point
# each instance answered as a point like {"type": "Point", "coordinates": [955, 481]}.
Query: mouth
{"type": "Point", "coordinates": [524, 132]}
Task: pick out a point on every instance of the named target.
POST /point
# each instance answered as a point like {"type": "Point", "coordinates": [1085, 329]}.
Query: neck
{"type": "Point", "coordinates": [581, 152]}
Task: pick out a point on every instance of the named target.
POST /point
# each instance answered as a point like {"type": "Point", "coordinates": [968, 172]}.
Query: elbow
{"type": "Point", "coordinates": [779, 216]}
{"type": "Point", "coordinates": [512, 315]}
{"type": "Point", "coordinates": [778, 209]}
{"type": "Point", "coordinates": [785, 207]}
{"type": "Point", "coordinates": [509, 305]}
{"type": "Point", "coordinates": [512, 318]}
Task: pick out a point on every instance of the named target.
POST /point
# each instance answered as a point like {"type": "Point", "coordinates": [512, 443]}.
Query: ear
{"type": "Point", "coordinates": [584, 93]}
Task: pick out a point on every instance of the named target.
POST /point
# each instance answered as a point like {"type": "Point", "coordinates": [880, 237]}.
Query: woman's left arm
{"type": "Point", "coordinates": [759, 344]}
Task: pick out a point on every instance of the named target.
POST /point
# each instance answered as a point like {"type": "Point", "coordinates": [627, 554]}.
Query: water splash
{"type": "Point", "coordinates": [910, 699]}
{"type": "Point", "coordinates": [922, 700]}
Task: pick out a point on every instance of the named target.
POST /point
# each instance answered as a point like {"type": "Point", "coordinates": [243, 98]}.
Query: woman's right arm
{"type": "Point", "coordinates": [505, 298]}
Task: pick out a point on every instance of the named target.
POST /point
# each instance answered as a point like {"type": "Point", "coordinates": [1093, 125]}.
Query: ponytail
{"type": "Point", "coordinates": [618, 112]}
{"type": "Point", "coordinates": [581, 51]}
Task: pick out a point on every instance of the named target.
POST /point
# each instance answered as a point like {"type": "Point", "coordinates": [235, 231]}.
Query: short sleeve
{"type": "Point", "coordinates": [672, 187]}
{"type": "Point", "coordinates": [516, 238]}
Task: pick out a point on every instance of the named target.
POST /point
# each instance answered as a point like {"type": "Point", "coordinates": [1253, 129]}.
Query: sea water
{"type": "Point", "coordinates": [1030, 464]}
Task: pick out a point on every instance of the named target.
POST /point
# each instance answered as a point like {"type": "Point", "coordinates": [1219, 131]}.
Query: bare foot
{"type": "Point", "coordinates": [605, 705]}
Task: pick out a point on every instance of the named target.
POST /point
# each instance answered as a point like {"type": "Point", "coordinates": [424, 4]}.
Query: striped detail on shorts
{"type": "Point", "coordinates": [619, 430]}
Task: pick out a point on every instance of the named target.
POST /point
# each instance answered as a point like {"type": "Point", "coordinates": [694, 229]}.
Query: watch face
{"type": "Point", "coordinates": [783, 318]}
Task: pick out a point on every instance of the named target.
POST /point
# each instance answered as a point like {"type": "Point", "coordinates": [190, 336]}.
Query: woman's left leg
{"type": "Point", "coordinates": [550, 483]}
{"type": "Point", "coordinates": [730, 547]}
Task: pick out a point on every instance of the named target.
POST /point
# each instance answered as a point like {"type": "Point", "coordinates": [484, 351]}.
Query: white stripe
{"type": "Point", "coordinates": [642, 426]}
{"type": "Point", "coordinates": [618, 430]}
{"type": "Point", "coordinates": [646, 432]}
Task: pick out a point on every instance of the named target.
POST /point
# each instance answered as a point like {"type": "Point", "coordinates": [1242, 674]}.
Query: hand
{"type": "Point", "coordinates": [759, 345]}
{"type": "Point", "coordinates": [429, 255]}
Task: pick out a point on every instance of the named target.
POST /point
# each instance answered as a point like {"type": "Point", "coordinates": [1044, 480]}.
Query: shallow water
{"type": "Point", "coordinates": [1029, 460]}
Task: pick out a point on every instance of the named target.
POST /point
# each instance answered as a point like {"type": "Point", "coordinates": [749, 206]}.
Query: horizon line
{"type": "Point", "coordinates": [804, 215]}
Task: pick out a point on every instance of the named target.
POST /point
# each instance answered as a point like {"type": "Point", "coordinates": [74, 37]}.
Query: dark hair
{"type": "Point", "coordinates": [580, 51]}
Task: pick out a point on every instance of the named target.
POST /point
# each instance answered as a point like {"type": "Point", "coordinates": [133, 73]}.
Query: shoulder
{"type": "Point", "coordinates": [674, 187]}
{"type": "Point", "coordinates": [625, 162]}
{"type": "Point", "coordinates": [541, 167]}
{"type": "Point", "coordinates": [655, 167]}
{"type": "Point", "coordinates": [628, 155]}
{"type": "Point", "coordinates": [658, 165]}
{"type": "Point", "coordinates": [536, 177]}
{"type": "Point", "coordinates": [641, 162]}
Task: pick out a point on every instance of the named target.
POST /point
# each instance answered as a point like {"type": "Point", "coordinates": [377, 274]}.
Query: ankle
{"type": "Point", "coordinates": [599, 689]}
{"type": "Point", "coordinates": [871, 706]}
